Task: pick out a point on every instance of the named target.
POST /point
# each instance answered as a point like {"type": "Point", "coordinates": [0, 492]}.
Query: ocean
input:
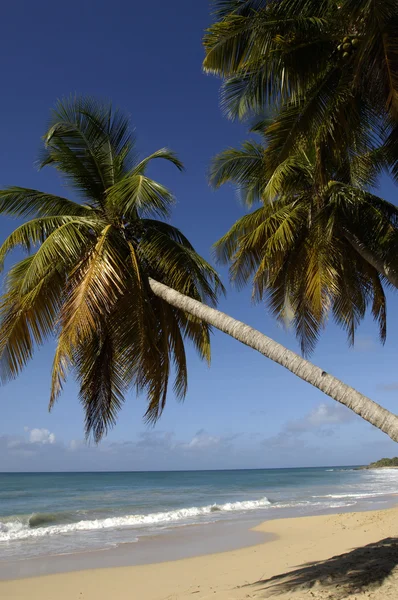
{"type": "Point", "coordinates": [44, 514]}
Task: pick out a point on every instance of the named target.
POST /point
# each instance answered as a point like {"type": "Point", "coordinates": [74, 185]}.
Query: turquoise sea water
{"type": "Point", "coordinates": [58, 513]}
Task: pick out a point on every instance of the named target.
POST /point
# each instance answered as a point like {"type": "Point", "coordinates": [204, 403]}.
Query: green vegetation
{"type": "Point", "coordinates": [303, 248]}
{"type": "Point", "coordinates": [383, 462]}
{"type": "Point", "coordinates": [322, 244]}
{"type": "Point", "coordinates": [329, 68]}
{"type": "Point", "coordinates": [87, 278]}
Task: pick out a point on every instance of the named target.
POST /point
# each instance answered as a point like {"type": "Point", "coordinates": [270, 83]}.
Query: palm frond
{"type": "Point", "coordinates": [302, 119]}
{"type": "Point", "coordinates": [137, 195]}
{"type": "Point", "coordinates": [67, 243]}
{"type": "Point", "coordinates": [163, 153]}
{"type": "Point", "coordinates": [223, 8]}
{"type": "Point", "coordinates": [102, 384]}
{"type": "Point", "coordinates": [27, 319]}
{"type": "Point", "coordinates": [262, 51]}
{"type": "Point", "coordinates": [245, 167]}
{"type": "Point", "coordinates": [83, 140]}
{"type": "Point", "coordinates": [153, 225]}
{"type": "Point", "coordinates": [366, 168]}
{"type": "Point", "coordinates": [179, 267]}
{"type": "Point", "coordinates": [24, 202]}
{"type": "Point", "coordinates": [93, 288]}
{"type": "Point", "coordinates": [390, 148]}
{"type": "Point", "coordinates": [35, 232]}
{"type": "Point", "coordinates": [291, 177]}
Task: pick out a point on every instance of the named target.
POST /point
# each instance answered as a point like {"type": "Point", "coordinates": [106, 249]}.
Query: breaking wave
{"type": "Point", "coordinates": [43, 524]}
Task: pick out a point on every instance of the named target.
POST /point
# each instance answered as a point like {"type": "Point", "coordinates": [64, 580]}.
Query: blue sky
{"type": "Point", "coordinates": [244, 411]}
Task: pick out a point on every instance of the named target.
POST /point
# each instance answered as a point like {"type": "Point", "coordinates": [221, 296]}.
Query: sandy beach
{"type": "Point", "coordinates": [343, 556]}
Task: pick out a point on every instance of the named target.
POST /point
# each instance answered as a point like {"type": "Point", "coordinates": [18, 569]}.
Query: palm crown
{"type": "Point", "coordinates": [321, 242]}
{"type": "Point", "coordinates": [304, 247]}
{"type": "Point", "coordinates": [88, 266]}
{"type": "Point", "coordinates": [330, 66]}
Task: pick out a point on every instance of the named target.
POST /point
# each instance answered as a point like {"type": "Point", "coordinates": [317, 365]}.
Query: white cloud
{"type": "Point", "coordinates": [75, 444]}
{"type": "Point", "coordinates": [41, 436]}
{"type": "Point", "coordinates": [320, 417]}
{"type": "Point", "coordinates": [301, 442]}
{"type": "Point", "coordinates": [326, 414]}
{"type": "Point", "coordinates": [14, 443]}
{"type": "Point", "coordinates": [204, 440]}
{"type": "Point", "coordinates": [311, 440]}
{"type": "Point", "coordinates": [319, 421]}
{"type": "Point", "coordinates": [159, 449]}
{"type": "Point", "coordinates": [156, 440]}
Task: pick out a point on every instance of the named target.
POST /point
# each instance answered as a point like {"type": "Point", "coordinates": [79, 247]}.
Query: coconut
{"type": "Point", "coordinates": [347, 47]}
{"type": "Point", "coordinates": [346, 55]}
{"type": "Point", "coordinates": [355, 42]}
{"type": "Point", "coordinates": [346, 39]}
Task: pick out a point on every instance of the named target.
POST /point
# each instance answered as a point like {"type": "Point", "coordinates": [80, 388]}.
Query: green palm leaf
{"type": "Point", "coordinates": [88, 279]}
{"type": "Point", "coordinates": [315, 247]}
{"type": "Point", "coordinates": [23, 202]}
{"type": "Point", "coordinates": [27, 318]}
{"type": "Point", "coordinates": [317, 63]}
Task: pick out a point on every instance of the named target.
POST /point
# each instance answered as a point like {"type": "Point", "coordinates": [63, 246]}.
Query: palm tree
{"type": "Point", "coordinates": [121, 289]}
{"type": "Point", "coordinates": [312, 248]}
{"type": "Point", "coordinates": [329, 66]}
{"type": "Point", "coordinates": [89, 278]}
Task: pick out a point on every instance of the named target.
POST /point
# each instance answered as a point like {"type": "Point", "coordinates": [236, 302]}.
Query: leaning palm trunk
{"type": "Point", "coordinates": [333, 387]}
{"type": "Point", "coordinates": [384, 269]}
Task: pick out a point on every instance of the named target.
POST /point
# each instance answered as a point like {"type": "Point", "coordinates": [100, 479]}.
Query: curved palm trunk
{"type": "Point", "coordinates": [372, 259]}
{"type": "Point", "coordinates": [336, 389]}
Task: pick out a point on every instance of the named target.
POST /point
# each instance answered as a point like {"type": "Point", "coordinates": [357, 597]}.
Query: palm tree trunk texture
{"type": "Point", "coordinates": [333, 387]}
{"type": "Point", "coordinates": [373, 260]}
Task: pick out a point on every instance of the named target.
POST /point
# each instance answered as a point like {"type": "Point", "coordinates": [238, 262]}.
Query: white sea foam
{"type": "Point", "coordinates": [311, 504]}
{"type": "Point", "coordinates": [355, 495]}
{"type": "Point", "coordinates": [18, 530]}
{"type": "Point", "coordinates": [388, 470]}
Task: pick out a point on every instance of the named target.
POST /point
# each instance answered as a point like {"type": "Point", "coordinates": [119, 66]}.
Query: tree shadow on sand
{"type": "Point", "coordinates": [364, 568]}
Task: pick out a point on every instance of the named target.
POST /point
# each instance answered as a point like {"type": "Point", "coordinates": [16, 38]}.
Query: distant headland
{"type": "Point", "coordinates": [383, 463]}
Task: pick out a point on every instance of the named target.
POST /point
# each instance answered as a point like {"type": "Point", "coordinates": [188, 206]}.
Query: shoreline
{"type": "Point", "coordinates": [172, 544]}
{"type": "Point", "coordinates": [374, 468]}
{"type": "Point", "coordinates": [328, 556]}
{"type": "Point", "coordinates": [190, 541]}
{"type": "Point", "coordinates": [123, 520]}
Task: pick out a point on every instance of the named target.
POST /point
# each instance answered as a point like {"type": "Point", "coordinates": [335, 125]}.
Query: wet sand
{"type": "Point", "coordinates": [346, 556]}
